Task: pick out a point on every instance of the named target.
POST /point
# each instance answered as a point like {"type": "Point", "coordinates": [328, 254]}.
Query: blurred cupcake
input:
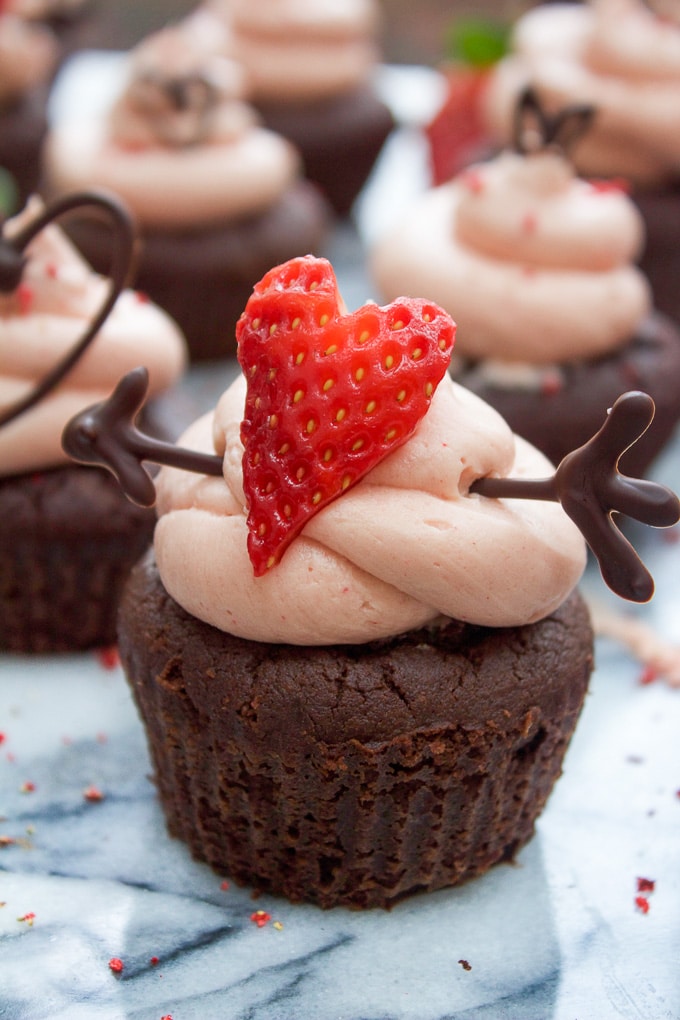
{"type": "Point", "coordinates": [71, 21]}
{"type": "Point", "coordinates": [623, 57]}
{"type": "Point", "coordinates": [28, 56]}
{"type": "Point", "coordinates": [310, 69]}
{"type": "Point", "coordinates": [68, 538]}
{"type": "Point", "coordinates": [217, 197]}
{"type": "Point", "coordinates": [555, 320]}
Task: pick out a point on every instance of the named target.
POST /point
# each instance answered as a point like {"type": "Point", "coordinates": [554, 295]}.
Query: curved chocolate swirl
{"type": "Point", "coordinates": [13, 261]}
{"type": "Point", "coordinates": [587, 483]}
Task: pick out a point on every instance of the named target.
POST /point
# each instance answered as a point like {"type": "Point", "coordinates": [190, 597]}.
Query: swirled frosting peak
{"type": "Point", "coordinates": [534, 263]}
{"type": "Point", "coordinates": [618, 55]}
{"type": "Point", "coordinates": [405, 547]}
{"type": "Point", "coordinates": [43, 319]}
{"type": "Point", "coordinates": [304, 49]}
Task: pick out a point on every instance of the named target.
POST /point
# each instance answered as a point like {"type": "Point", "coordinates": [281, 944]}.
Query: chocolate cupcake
{"type": "Point", "coordinates": [555, 319]}
{"type": "Point", "coordinates": [216, 197]}
{"type": "Point", "coordinates": [311, 77]}
{"type": "Point", "coordinates": [68, 537]}
{"type": "Point", "coordinates": [363, 684]}
{"type": "Point", "coordinates": [28, 56]}
{"type": "Point", "coordinates": [623, 58]}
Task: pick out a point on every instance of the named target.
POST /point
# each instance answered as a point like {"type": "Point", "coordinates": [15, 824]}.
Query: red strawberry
{"type": "Point", "coordinates": [329, 395]}
{"type": "Point", "coordinates": [456, 135]}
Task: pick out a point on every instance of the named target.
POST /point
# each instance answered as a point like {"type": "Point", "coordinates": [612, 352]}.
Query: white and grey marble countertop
{"type": "Point", "coordinates": [88, 873]}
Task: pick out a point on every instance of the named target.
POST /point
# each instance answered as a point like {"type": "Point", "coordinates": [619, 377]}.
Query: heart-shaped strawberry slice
{"type": "Point", "coordinates": [329, 394]}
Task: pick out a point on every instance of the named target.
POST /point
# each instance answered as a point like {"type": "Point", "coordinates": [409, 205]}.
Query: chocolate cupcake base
{"type": "Point", "coordinates": [204, 277]}
{"type": "Point", "coordinates": [68, 538]}
{"type": "Point", "coordinates": [353, 775]}
{"type": "Point", "coordinates": [660, 261]}
{"type": "Point", "coordinates": [560, 418]}
{"type": "Point", "coordinates": [23, 127]}
{"type": "Point", "coordinates": [339, 139]}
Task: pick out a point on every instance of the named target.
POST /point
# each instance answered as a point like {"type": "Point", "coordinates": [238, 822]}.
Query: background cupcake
{"type": "Point", "coordinates": [68, 538]}
{"type": "Point", "coordinates": [28, 55]}
{"type": "Point", "coordinates": [555, 320]}
{"type": "Point", "coordinates": [217, 197]}
{"type": "Point", "coordinates": [623, 57]}
{"type": "Point", "coordinates": [310, 70]}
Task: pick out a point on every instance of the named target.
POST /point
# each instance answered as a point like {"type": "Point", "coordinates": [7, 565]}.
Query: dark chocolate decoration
{"type": "Point", "coordinates": [535, 130]}
{"type": "Point", "coordinates": [587, 482]}
{"type": "Point", "coordinates": [13, 262]}
{"type": "Point", "coordinates": [590, 489]}
{"type": "Point", "coordinates": [105, 434]}
{"type": "Point", "coordinates": [184, 94]}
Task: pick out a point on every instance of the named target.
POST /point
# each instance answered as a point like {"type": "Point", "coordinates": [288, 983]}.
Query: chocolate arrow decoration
{"type": "Point", "coordinates": [13, 262]}
{"type": "Point", "coordinates": [560, 130]}
{"type": "Point", "coordinates": [587, 482]}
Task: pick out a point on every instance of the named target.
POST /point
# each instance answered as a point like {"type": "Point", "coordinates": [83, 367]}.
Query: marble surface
{"type": "Point", "coordinates": [88, 873]}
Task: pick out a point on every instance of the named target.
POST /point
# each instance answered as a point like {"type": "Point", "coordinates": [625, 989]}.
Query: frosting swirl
{"type": "Point", "coordinates": [297, 49]}
{"type": "Point", "coordinates": [28, 54]}
{"type": "Point", "coordinates": [533, 263]}
{"type": "Point", "coordinates": [617, 55]}
{"type": "Point", "coordinates": [180, 145]}
{"type": "Point", "coordinates": [403, 548]}
{"type": "Point", "coordinates": [43, 318]}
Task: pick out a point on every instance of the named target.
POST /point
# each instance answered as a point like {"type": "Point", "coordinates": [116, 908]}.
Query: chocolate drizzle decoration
{"type": "Point", "coordinates": [536, 130]}
{"type": "Point", "coordinates": [13, 262]}
{"type": "Point", "coordinates": [587, 482]}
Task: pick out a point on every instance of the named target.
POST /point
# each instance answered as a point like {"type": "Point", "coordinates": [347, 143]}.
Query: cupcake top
{"type": "Point", "coordinates": [180, 145]}
{"type": "Point", "coordinates": [405, 543]}
{"type": "Point", "coordinates": [621, 56]}
{"type": "Point", "coordinates": [535, 263]}
{"type": "Point", "coordinates": [303, 49]}
{"type": "Point", "coordinates": [43, 318]}
{"type": "Point", "coordinates": [28, 55]}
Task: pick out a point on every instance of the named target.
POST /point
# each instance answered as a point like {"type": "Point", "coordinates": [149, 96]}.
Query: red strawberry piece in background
{"type": "Point", "coordinates": [329, 394]}
{"type": "Point", "coordinates": [457, 134]}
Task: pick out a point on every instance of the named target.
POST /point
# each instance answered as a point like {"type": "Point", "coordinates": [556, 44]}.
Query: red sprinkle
{"type": "Point", "coordinates": [3, 738]}
{"type": "Point", "coordinates": [645, 885]}
{"type": "Point", "coordinates": [261, 918]}
{"type": "Point", "coordinates": [529, 223]}
{"type": "Point", "coordinates": [28, 918]}
{"type": "Point", "coordinates": [472, 180]}
{"type": "Point", "coordinates": [27, 787]}
{"type": "Point", "coordinates": [142, 297]}
{"type": "Point", "coordinates": [648, 676]}
{"type": "Point", "coordinates": [93, 793]}
{"type": "Point", "coordinates": [610, 184]}
{"type": "Point", "coordinates": [25, 296]}
{"type": "Point", "coordinates": [116, 965]}
{"type": "Point", "coordinates": [166, 1016]}
{"type": "Point", "coordinates": [642, 904]}
{"type": "Point", "coordinates": [51, 270]}
{"type": "Point", "coordinates": [224, 885]}
{"type": "Point", "coordinates": [108, 657]}
{"type": "Point", "coordinates": [154, 961]}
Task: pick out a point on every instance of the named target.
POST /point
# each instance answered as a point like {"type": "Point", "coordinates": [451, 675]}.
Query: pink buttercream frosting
{"type": "Point", "coordinates": [43, 319]}
{"type": "Point", "coordinates": [28, 54]}
{"type": "Point", "coordinates": [406, 547]}
{"type": "Point", "coordinates": [617, 55]}
{"type": "Point", "coordinates": [181, 146]}
{"type": "Point", "coordinates": [304, 49]}
{"type": "Point", "coordinates": [534, 263]}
